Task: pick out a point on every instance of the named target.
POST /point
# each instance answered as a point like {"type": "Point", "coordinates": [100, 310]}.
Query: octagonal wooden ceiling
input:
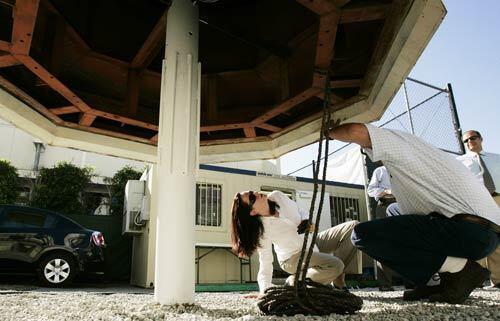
{"type": "Point", "coordinates": [96, 65]}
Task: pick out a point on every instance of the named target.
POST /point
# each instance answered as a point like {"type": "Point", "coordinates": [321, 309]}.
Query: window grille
{"type": "Point", "coordinates": [343, 209]}
{"type": "Point", "coordinates": [208, 204]}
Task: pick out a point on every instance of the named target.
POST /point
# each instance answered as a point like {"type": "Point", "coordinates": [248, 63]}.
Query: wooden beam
{"type": "Point", "coordinates": [8, 60]}
{"type": "Point", "coordinates": [326, 39]}
{"type": "Point", "coordinates": [347, 83]}
{"type": "Point", "coordinates": [124, 120]}
{"type": "Point", "coordinates": [286, 105]}
{"type": "Point", "coordinates": [87, 119]}
{"type": "Point", "coordinates": [268, 127]}
{"type": "Point", "coordinates": [24, 13]}
{"type": "Point", "coordinates": [4, 46]}
{"type": "Point", "coordinates": [337, 106]}
{"type": "Point", "coordinates": [366, 13]}
{"type": "Point", "coordinates": [132, 94]}
{"type": "Point", "coordinates": [107, 107]}
{"type": "Point", "coordinates": [151, 47]}
{"type": "Point", "coordinates": [214, 128]}
{"type": "Point", "coordinates": [64, 110]}
{"type": "Point", "coordinates": [108, 133]}
{"type": "Point", "coordinates": [53, 82]}
{"type": "Point", "coordinates": [320, 7]}
{"type": "Point", "coordinates": [284, 79]}
{"type": "Point", "coordinates": [396, 15]}
{"type": "Point", "coordinates": [28, 100]}
{"type": "Point", "coordinates": [250, 132]}
{"type": "Point", "coordinates": [53, 43]}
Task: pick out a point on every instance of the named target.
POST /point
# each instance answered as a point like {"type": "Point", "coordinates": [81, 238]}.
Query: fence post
{"type": "Point", "coordinates": [456, 121]}
{"type": "Point", "coordinates": [408, 108]}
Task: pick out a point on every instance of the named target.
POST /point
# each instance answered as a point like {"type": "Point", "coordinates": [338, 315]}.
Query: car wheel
{"type": "Point", "coordinates": [57, 269]}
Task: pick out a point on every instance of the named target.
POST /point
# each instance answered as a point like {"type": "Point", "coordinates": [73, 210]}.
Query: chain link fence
{"type": "Point", "coordinates": [427, 112]}
{"type": "Point", "coordinates": [419, 108]}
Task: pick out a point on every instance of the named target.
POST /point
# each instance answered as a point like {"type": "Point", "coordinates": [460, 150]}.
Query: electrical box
{"type": "Point", "coordinates": [132, 207]}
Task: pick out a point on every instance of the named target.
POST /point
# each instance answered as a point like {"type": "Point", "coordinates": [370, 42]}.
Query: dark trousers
{"type": "Point", "coordinates": [416, 246]}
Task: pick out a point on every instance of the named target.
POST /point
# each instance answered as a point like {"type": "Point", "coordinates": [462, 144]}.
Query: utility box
{"type": "Point", "coordinates": [133, 219]}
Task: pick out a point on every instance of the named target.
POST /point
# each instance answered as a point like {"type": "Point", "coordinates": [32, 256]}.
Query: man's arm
{"type": "Point", "coordinates": [374, 189]}
{"type": "Point", "coordinates": [352, 133]}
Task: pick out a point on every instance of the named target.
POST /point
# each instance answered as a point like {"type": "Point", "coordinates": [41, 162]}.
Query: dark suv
{"type": "Point", "coordinates": [54, 246]}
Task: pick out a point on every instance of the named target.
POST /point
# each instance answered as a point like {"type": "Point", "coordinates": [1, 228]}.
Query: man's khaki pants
{"type": "Point", "coordinates": [337, 255]}
{"type": "Point", "coordinates": [492, 262]}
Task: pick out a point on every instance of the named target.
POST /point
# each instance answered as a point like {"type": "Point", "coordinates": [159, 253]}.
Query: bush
{"type": "Point", "coordinates": [60, 188]}
{"type": "Point", "coordinates": [117, 187]}
{"type": "Point", "coordinates": [9, 188]}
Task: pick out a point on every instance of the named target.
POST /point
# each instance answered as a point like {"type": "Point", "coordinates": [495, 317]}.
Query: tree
{"type": "Point", "coordinates": [9, 190]}
{"type": "Point", "coordinates": [60, 188]}
{"type": "Point", "coordinates": [117, 187]}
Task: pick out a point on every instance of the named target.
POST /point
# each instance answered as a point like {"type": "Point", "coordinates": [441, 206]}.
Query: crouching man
{"type": "Point", "coordinates": [451, 220]}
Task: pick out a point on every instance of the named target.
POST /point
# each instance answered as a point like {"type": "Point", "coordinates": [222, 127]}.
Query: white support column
{"type": "Point", "coordinates": [177, 157]}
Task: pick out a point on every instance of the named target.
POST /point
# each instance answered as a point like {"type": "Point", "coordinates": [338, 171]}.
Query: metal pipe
{"type": "Point", "coordinates": [454, 118]}
{"type": "Point", "coordinates": [408, 109]}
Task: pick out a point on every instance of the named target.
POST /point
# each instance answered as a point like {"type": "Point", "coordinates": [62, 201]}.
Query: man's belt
{"type": "Point", "coordinates": [386, 201]}
{"type": "Point", "coordinates": [477, 220]}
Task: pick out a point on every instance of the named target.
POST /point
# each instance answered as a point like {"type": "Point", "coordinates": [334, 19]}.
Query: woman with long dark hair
{"type": "Point", "coordinates": [260, 221]}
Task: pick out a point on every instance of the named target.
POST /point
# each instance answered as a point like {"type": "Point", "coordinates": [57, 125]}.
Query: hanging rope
{"type": "Point", "coordinates": [307, 296]}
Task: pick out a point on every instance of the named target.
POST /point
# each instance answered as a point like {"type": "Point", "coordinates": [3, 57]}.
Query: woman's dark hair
{"type": "Point", "coordinates": [246, 229]}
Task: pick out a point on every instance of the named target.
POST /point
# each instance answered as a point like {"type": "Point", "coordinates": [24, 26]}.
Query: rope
{"type": "Point", "coordinates": [306, 296]}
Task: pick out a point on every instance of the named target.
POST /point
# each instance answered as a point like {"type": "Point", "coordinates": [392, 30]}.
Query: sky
{"type": "Point", "coordinates": [465, 52]}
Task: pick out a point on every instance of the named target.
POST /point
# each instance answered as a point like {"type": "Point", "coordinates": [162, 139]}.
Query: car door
{"type": "Point", "coordinates": [23, 235]}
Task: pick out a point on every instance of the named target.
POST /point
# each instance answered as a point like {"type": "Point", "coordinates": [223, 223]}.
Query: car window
{"type": "Point", "coordinates": [66, 224]}
{"type": "Point", "coordinates": [23, 219]}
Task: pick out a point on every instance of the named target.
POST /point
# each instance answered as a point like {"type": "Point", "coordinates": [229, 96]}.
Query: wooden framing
{"type": "Point", "coordinates": [24, 12]}
{"type": "Point", "coordinates": [273, 70]}
{"type": "Point", "coordinates": [87, 119]}
{"type": "Point", "coordinates": [4, 46]}
{"type": "Point", "coordinates": [286, 105]}
{"type": "Point", "coordinates": [8, 60]}
{"type": "Point", "coordinates": [26, 98]}
{"type": "Point", "coordinates": [368, 13]}
{"type": "Point", "coordinates": [152, 45]}
{"type": "Point", "coordinates": [64, 110]}
{"type": "Point", "coordinates": [250, 132]}
{"type": "Point", "coordinates": [268, 127]}
{"type": "Point", "coordinates": [53, 82]}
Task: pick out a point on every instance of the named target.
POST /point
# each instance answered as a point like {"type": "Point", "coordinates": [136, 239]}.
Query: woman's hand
{"type": "Point", "coordinates": [301, 228]}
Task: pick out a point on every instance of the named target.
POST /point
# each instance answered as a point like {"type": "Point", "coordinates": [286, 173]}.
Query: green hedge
{"type": "Point", "coordinates": [9, 188]}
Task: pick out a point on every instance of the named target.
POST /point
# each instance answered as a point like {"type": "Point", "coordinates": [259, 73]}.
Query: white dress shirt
{"type": "Point", "coordinates": [425, 179]}
{"type": "Point", "coordinates": [492, 162]}
{"type": "Point", "coordinates": [379, 182]}
{"type": "Point", "coordinates": [281, 232]}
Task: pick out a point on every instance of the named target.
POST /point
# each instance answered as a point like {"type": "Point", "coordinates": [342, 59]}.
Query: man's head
{"type": "Point", "coordinates": [473, 140]}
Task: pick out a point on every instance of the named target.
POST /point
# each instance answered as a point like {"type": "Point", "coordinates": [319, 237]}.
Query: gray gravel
{"type": "Point", "coordinates": [122, 305]}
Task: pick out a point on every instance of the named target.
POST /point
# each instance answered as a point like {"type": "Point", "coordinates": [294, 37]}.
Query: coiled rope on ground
{"type": "Point", "coordinates": [308, 297]}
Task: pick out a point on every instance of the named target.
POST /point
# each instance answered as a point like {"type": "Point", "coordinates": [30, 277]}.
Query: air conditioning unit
{"type": "Point", "coordinates": [133, 216]}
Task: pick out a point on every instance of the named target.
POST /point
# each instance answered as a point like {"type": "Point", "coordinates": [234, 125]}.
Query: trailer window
{"type": "Point", "coordinates": [208, 204]}
{"type": "Point", "coordinates": [343, 209]}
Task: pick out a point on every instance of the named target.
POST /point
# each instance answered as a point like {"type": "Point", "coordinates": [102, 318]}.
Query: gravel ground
{"type": "Point", "coordinates": [137, 305]}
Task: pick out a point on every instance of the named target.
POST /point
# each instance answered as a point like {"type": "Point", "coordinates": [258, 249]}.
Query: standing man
{"type": "Point", "coordinates": [380, 189]}
{"type": "Point", "coordinates": [486, 168]}
{"type": "Point", "coordinates": [449, 221]}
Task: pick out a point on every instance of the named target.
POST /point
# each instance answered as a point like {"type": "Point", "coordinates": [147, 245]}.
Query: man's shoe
{"type": "Point", "coordinates": [458, 286]}
{"type": "Point", "coordinates": [421, 292]}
